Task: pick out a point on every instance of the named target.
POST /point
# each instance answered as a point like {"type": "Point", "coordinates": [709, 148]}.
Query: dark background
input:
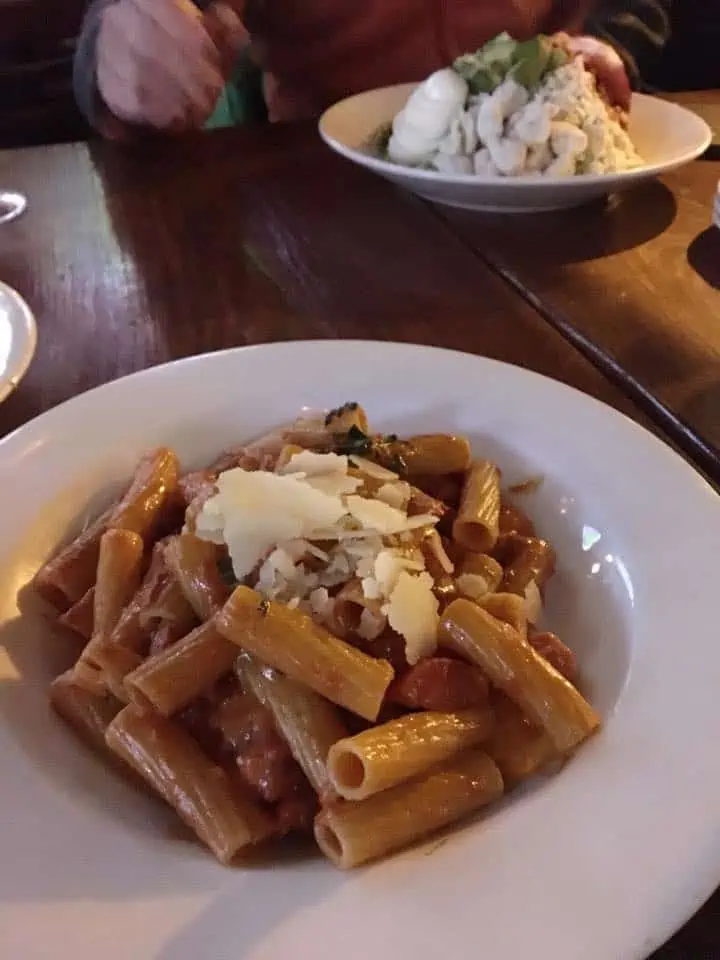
{"type": "Point", "coordinates": [37, 40]}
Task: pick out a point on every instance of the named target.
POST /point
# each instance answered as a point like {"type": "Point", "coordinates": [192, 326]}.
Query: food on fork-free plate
{"type": "Point", "coordinates": [512, 110]}
{"type": "Point", "coordinates": [327, 631]}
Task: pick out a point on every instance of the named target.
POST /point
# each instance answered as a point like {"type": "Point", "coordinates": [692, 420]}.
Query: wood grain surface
{"type": "Point", "coordinates": [635, 284]}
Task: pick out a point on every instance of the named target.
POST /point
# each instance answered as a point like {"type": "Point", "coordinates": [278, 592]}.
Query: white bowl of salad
{"type": "Point", "coordinates": [515, 126]}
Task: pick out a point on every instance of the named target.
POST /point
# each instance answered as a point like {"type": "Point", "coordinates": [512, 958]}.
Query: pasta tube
{"type": "Point", "coordinates": [79, 618]}
{"type": "Point", "coordinates": [88, 712]}
{"type": "Point", "coordinates": [477, 523]}
{"type": "Point", "coordinates": [478, 577]}
{"type": "Point", "coordinates": [353, 833]}
{"type": "Point", "coordinates": [67, 577]}
{"type": "Point", "coordinates": [194, 563]}
{"type": "Point", "coordinates": [384, 756]}
{"type": "Point", "coordinates": [515, 520]}
{"type": "Point", "coordinates": [352, 611]}
{"type": "Point", "coordinates": [154, 481]}
{"type": "Point", "coordinates": [201, 793]}
{"type": "Point", "coordinates": [534, 561]}
{"type": "Point", "coordinates": [114, 662]}
{"type": "Point", "coordinates": [309, 723]}
{"type": "Point", "coordinates": [293, 643]}
{"type": "Point", "coordinates": [344, 418]}
{"type": "Point", "coordinates": [174, 678]}
{"type": "Point", "coordinates": [517, 747]}
{"type": "Point", "coordinates": [433, 454]}
{"type": "Point", "coordinates": [133, 628]}
{"type": "Point", "coordinates": [118, 577]}
{"type": "Point", "coordinates": [481, 565]}
{"type": "Point", "coordinates": [511, 664]}
{"type": "Point", "coordinates": [169, 608]}
{"type": "Point", "coordinates": [508, 608]}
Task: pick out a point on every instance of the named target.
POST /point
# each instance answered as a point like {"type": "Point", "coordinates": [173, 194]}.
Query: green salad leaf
{"type": "Point", "coordinates": [529, 62]}
{"type": "Point", "coordinates": [378, 145]}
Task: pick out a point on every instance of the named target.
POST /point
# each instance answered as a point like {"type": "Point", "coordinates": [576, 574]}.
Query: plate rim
{"type": "Point", "coordinates": [704, 879]}
{"type": "Point", "coordinates": [576, 183]}
{"type": "Point", "coordinates": [160, 369]}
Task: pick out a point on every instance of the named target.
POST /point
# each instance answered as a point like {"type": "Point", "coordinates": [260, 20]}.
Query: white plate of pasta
{"type": "Point", "coordinates": [428, 632]}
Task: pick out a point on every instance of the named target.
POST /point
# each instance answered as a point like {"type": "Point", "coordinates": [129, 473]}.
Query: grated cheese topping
{"type": "Point", "coordinates": [304, 531]}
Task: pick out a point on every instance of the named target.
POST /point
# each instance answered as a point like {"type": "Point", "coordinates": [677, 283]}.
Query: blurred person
{"type": "Point", "coordinates": [163, 64]}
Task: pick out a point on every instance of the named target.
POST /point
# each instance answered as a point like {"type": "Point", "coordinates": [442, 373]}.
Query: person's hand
{"type": "Point", "coordinates": [607, 65]}
{"type": "Point", "coordinates": [162, 63]}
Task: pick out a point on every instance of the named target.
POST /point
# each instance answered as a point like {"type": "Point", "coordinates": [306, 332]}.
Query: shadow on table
{"type": "Point", "coordinates": [704, 256]}
{"type": "Point", "coordinates": [600, 229]}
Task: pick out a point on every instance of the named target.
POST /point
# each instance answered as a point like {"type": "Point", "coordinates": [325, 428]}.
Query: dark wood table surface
{"type": "Point", "coordinates": [134, 256]}
{"type": "Point", "coordinates": [634, 284]}
{"type": "Point", "coordinates": [172, 248]}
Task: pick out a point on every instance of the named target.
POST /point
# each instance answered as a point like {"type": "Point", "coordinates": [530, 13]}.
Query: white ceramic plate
{"type": "Point", "coordinates": [18, 338]}
{"type": "Point", "coordinates": [666, 135]}
{"type": "Point", "coordinates": [602, 862]}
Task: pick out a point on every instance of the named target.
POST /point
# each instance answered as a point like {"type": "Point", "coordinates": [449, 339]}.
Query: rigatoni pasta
{"type": "Point", "coordinates": [329, 631]}
{"type": "Point", "coordinates": [354, 833]}
{"type": "Point", "coordinates": [545, 697]}
{"type": "Point", "coordinates": [478, 521]}
{"type": "Point", "coordinates": [310, 724]}
{"type": "Point", "coordinates": [292, 642]}
{"type": "Point", "coordinates": [399, 750]}
{"type": "Point", "coordinates": [204, 796]}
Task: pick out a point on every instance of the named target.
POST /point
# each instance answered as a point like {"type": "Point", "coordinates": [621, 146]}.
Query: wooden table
{"type": "Point", "coordinates": [635, 285]}
{"type": "Point", "coordinates": [133, 257]}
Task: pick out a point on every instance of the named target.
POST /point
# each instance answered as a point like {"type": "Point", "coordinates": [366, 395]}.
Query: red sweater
{"type": "Point", "coordinates": [315, 52]}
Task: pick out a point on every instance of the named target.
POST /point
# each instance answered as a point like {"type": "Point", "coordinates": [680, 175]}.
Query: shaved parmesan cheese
{"type": "Point", "coordinates": [322, 471]}
{"type": "Point", "coordinates": [421, 520]}
{"type": "Point", "coordinates": [282, 562]}
{"type": "Point", "coordinates": [321, 602]}
{"type": "Point", "coordinates": [315, 464]}
{"type": "Point", "coordinates": [472, 585]}
{"type": "Point", "coordinates": [256, 510]}
{"type": "Point", "coordinates": [334, 484]}
{"type": "Point", "coordinates": [296, 549]}
{"type": "Point", "coordinates": [533, 603]}
{"type": "Point", "coordinates": [371, 589]}
{"type": "Point", "coordinates": [365, 567]}
{"type": "Point", "coordinates": [375, 515]}
{"type": "Point", "coordinates": [412, 611]}
{"type": "Point", "coordinates": [387, 570]}
{"type": "Point", "coordinates": [395, 494]}
{"type": "Point", "coordinates": [371, 625]}
{"type": "Point", "coordinates": [373, 470]}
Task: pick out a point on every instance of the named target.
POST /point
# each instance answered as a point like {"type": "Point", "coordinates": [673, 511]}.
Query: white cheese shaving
{"type": "Point", "coordinates": [373, 470]}
{"type": "Point", "coordinates": [315, 464]}
{"type": "Point", "coordinates": [412, 611]}
{"type": "Point", "coordinates": [533, 603]}
{"type": "Point", "coordinates": [375, 515]}
{"type": "Point", "coordinates": [326, 472]}
{"type": "Point", "coordinates": [395, 494]}
{"type": "Point", "coordinates": [472, 586]}
{"type": "Point", "coordinates": [371, 625]}
{"type": "Point", "coordinates": [321, 603]}
{"type": "Point", "coordinates": [257, 510]}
